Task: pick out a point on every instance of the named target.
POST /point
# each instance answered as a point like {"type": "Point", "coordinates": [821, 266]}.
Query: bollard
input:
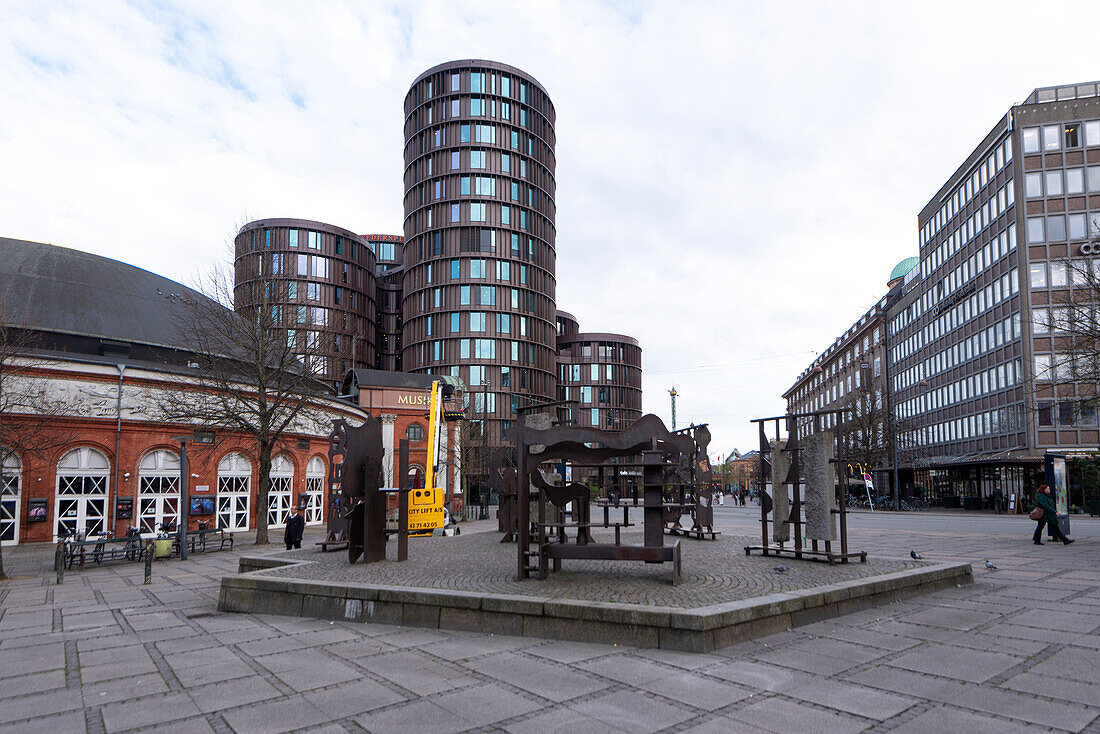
{"type": "Point", "coordinates": [59, 561]}
{"type": "Point", "coordinates": [149, 562]}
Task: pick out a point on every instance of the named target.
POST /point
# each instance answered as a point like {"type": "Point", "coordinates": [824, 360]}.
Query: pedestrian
{"type": "Point", "coordinates": [295, 526]}
{"type": "Point", "coordinates": [1049, 517]}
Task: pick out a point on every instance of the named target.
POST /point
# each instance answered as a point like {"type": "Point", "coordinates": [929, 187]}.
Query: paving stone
{"type": "Point", "coordinates": [853, 699]}
{"type": "Point", "coordinates": [39, 683]}
{"type": "Point", "coordinates": [953, 720]}
{"type": "Point", "coordinates": [955, 662]}
{"type": "Point", "coordinates": [25, 707]}
{"type": "Point", "coordinates": [956, 619]}
{"type": "Point", "coordinates": [148, 711]}
{"type": "Point", "coordinates": [416, 672]}
{"type": "Point", "coordinates": [427, 715]}
{"type": "Point", "coordinates": [625, 668]}
{"type": "Point", "coordinates": [907, 682]}
{"type": "Point", "coordinates": [632, 711]}
{"type": "Point", "coordinates": [1026, 707]}
{"type": "Point", "coordinates": [560, 719]}
{"type": "Point", "coordinates": [1081, 691]}
{"type": "Point", "coordinates": [695, 690]}
{"type": "Point", "coordinates": [273, 717]}
{"type": "Point", "coordinates": [353, 698]}
{"type": "Point", "coordinates": [777, 715]}
{"type": "Point", "coordinates": [72, 721]}
{"type": "Point", "coordinates": [554, 682]}
{"type": "Point", "coordinates": [232, 693]}
{"type": "Point", "coordinates": [123, 689]}
{"type": "Point", "coordinates": [761, 677]}
{"type": "Point", "coordinates": [568, 651]}
{"type": "Point", "coordinates": [485, 704]}
{"type": "Point", "coordinates": [307, 669]}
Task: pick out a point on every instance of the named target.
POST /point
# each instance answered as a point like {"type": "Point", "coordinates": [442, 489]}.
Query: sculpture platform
{"type": "Point", "coordinates": [466, 582]}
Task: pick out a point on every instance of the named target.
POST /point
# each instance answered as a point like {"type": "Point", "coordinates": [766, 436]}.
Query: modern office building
{"type": "Point", "coordinates": [479, 278]}
{"type": "Point", "coordinates": [323, 278]}
{"type": "Point", "coordinates": [601, 373]}
{"type": "Point", "coordinates": [982, 381]}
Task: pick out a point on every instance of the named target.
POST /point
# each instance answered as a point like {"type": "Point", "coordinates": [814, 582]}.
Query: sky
{"type": "Point", "coordinates": [735, 180]}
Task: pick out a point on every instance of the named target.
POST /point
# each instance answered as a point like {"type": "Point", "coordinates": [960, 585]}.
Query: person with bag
{"type": "Point", "coordinates": [1046, 514]}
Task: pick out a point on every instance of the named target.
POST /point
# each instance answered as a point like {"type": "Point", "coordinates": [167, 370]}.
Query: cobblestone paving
{"type": "Point", "coordinates": [1017, 651]}
{"type": "Point", "coordinates": [713, 571]}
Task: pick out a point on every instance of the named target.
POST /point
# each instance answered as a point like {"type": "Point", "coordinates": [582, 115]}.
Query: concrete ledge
{"type": "Point", "coordinates": [692, 629]}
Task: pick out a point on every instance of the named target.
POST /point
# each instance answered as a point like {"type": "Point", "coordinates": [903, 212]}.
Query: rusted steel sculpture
{"type": "Point", "coordinates": [357, 503]}
{"type": "Point", "coordinates": [700, 502]}
{"type": "Point", "coordinates": [502, 479]}
{"type": "Point", "coordinates": [661, 452]}
{"type": "Point", "coordinates": [784, 462]}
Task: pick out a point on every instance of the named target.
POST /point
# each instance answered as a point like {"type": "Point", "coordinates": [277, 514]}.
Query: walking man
{"type": "Point", "coordinates": [1044, 501]}
{"type": "Point", "coordinates": [295, 526]}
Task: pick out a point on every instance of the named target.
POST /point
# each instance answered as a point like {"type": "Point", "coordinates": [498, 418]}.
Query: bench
{"type": "Point", "coordinates": [103, 549]}
{"type": "Point", "coordinates": [197, 541]}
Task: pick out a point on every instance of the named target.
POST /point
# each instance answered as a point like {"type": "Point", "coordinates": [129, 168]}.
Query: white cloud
{"type": "Point", "coordinates": [735, 180]}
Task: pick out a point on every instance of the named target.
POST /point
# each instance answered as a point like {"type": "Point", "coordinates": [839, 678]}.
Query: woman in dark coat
{"type": "Point", "coordinates": [1050, 517]}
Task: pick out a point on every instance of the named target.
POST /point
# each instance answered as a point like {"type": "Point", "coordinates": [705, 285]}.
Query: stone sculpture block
{"type": "Point", "coordinates": [781, 504]}
{"type": "Point", "coordinates": [820, 487]}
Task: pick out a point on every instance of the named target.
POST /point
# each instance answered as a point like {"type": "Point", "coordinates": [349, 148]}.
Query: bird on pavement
{"type": "Point", "coordinates": [989, 565]}
{"type": "Point", "coordinates": [915, 556]}
{"type": "Point", "coordinates": [781, 569]}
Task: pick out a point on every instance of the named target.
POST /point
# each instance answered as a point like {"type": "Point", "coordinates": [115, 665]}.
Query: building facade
{"type": "Point", "coordinates": [601, 374]}
{"type": "Point", "coordinates": [849, 377]}
{"type": "Point", "coordinates": [323, 279]}
{"type": "Point", "coordinates": [479, 279]}
{"type": "Point", "coordinates": [389, 253]}
{"type": "Point", "coordinates": [983, 379]}
{"type": "Point", "coordinates": [96, 342]}
{"type": "Point", "coordinates": [400, 401]}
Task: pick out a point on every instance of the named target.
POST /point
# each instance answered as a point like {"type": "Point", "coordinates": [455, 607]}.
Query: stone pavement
{"type": "Point", "coordinates": [1019, 650]}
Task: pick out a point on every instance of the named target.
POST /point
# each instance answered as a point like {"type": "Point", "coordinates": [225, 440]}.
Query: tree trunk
{"type": "Point", "coordinates": [262, 499]}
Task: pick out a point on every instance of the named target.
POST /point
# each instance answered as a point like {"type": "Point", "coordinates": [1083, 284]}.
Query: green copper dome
{"type": "Point", "coordinates": [902, 268]}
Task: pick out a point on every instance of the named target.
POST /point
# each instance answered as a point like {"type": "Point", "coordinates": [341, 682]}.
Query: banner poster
{"type": "Point", "coordinates": [1055, 467]}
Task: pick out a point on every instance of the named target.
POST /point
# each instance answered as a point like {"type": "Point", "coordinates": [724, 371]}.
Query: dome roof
{"type": "Point", "coordinates": [66, 291]}
{"type": "Point", "coordinates": [902, 268]}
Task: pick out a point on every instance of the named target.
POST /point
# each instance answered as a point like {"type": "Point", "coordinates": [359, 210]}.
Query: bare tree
{"type": "Point", "coordinates": [28, 413]}
{"type": "Point", "coordinates": [257, 369]}
{"type": "Point", "coordinates": [865, 431]}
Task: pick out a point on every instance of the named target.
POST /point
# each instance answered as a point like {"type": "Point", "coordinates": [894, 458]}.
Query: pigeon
{"type": "Point", "coordinates": [989, 565]}
{"type": "Point", "coordinates": [915, 556]}
{"type": "Point", "coordinates": [781, 569]}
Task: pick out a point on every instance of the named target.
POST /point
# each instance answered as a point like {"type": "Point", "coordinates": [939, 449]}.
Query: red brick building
{"type": "Point", "coordinates": [98, 339]}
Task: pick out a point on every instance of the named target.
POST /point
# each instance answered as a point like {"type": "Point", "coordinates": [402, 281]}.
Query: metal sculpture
{"type": "Point", "coordinates": [357, 502]}
{"type": "Point", "coordinates": [802, 466]}
{"type": "Point", "coordinates": [661, 452]}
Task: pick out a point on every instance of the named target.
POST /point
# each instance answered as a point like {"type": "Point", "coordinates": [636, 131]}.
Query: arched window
{"type": "Point", "coordinates": [281, 491]}
{"type": "Point", "coordinates": [159, 491]}
{"type": "Point", "coordinates": [415, 433]}
{"type": "Point", "coordinates": [315, 490]}
{"type": "Point", "coordinates": [10, 484]}
{"type": "Point", "coordinates": [80, 499]}
{"type": "Point", "coordinates": [234, 491]}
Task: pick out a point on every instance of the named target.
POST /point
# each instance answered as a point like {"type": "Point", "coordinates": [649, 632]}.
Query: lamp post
{"type": "Point", "coordinates": [484, 514]}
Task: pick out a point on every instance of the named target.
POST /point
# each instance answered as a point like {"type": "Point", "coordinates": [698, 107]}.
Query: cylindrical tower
{"type": "Point", "coordinates": [603, 374]}
{"type": "Point", "coordinates": [479, 283]}
{"type": "Point", "coordinates": [323, 277]}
